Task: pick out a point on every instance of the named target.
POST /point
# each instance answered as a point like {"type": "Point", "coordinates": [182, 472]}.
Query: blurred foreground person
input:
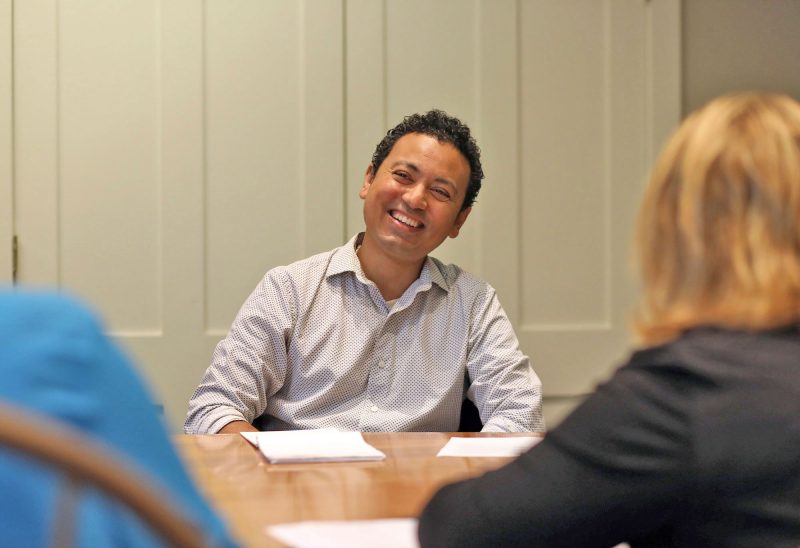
{"type": "Point", "coordinates": [696, 440]}
{"type": "Point", "coordinates": [56, 362]}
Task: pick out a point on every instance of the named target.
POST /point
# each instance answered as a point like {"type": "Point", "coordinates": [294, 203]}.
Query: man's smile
{"type": "Point", "coordinates": [400, 217]}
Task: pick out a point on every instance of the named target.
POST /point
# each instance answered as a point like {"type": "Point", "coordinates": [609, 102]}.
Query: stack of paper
{"type": "Point", "coordinates": [488, 447]}
{"type": "Point", "coordinates": [386, 533]}
{"type": "Point", "coordinates": [323, 445]}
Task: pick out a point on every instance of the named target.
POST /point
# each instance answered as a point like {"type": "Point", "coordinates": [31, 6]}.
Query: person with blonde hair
{"type": "Point", "coordinates": [696, 440]}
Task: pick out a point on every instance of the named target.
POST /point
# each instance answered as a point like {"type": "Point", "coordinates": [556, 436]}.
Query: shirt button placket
{"type": "Point", "coordinates": [375, 384]}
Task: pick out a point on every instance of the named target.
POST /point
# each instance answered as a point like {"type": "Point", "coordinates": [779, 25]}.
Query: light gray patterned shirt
{"type": "Point", "coordinates": [315, 345]}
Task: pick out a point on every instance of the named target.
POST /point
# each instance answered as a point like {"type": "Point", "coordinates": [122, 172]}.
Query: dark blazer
{"type": "Point", "coordinates": [693, 443]}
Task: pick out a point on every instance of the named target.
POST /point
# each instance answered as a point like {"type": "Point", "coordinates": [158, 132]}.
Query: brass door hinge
{"type": "Point", "coordinates": [14, 259]}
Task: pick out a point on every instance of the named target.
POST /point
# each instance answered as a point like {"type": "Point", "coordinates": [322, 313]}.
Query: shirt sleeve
{"type": "Point", "coordinates": [249, 365]}
{"type": "Point", "coordinates": [503, 385]}
{"type": "Point", "coordinates": [613, 471]}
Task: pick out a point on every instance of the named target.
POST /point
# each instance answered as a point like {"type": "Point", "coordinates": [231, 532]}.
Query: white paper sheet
{"type": "Point", "coordinates": [386, 533]}
{"type": "Point", "coordinates": [488, 447]}
{"type": "Point", "coordinates": [323, 445]}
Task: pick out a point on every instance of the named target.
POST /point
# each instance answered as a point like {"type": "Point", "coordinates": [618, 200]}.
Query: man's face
{"type": "Point", "coordinates": [413, 201]}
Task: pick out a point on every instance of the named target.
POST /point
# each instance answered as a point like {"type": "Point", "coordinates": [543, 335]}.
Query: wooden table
{"type": "Point", "coordinates": [252, 494]}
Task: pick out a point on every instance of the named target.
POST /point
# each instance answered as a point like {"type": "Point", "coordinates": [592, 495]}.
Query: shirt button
{"type": "Point", "coordinates": [381, 364]}
{"type": "Point", "coordinates": [374, 408]}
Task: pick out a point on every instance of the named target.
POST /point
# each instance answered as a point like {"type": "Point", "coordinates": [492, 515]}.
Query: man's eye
{"type": "Point", "coordinates": [441, 193]}
{"type": "Point", "coordinates": [402, 175]}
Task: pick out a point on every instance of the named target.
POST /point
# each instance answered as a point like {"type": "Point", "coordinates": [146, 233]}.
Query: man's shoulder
{"type": "Point", "coordinates": [314, 261]}
{"type": "Point", "coordinates": [457, 278]}
{"type": "Point", "coordinates": [308, 271]}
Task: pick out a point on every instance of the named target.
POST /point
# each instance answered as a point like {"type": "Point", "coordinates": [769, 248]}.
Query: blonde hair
{"type": "Point", "coordinates": [718, 233]}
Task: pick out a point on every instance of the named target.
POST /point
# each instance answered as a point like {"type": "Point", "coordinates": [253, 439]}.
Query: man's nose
{"type": "Point", "coordinates": [415, 196]}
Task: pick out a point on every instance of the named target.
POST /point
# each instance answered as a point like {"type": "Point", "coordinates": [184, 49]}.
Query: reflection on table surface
{"type": "Point", "coordinates": [252, 494]}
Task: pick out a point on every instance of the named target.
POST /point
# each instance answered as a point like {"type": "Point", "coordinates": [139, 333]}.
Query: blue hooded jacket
{"type": "Point", "coordinates": [56, 361]}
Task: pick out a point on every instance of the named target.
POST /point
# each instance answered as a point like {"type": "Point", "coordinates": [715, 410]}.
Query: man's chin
{"type": "Point", "coordinates": [402, 249]}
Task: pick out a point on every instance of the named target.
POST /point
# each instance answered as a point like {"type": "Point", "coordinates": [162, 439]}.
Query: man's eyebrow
{"type": "Point", "coordinates": [411, 166]}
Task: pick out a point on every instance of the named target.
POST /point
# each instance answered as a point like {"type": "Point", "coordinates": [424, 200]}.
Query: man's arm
{"type": "Point", "coordinates": [249, 365]}
{"type": "Point", "coordinates": [237, 426]}
{"type": "Point", "coordinates": [503, 386]}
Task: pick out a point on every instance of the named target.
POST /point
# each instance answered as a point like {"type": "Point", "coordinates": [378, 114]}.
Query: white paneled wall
{"type": "Point", "coordinates": [167, 153]}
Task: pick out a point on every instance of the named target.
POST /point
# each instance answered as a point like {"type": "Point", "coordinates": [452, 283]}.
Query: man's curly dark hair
{"type": "Point", "coordinates": [445, 128]}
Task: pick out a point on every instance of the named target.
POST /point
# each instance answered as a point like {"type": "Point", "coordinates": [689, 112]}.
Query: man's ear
{"type": "Point", "coordinates": [461, 218]}
{"type": "Point", "coordinates": [369, 176]}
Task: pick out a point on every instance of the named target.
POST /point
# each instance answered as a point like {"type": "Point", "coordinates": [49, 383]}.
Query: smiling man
{"type": "Point", "coordinates": [377, 335]}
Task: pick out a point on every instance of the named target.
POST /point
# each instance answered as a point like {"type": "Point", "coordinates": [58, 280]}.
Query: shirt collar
{"type": "Point", "coordinates": [345, 259]}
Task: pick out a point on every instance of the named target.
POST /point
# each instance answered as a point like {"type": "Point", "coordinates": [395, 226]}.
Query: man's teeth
{"type": "Point", "coordinates": [405, 220]}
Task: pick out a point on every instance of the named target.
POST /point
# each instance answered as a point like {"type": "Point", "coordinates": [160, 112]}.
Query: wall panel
{"type": "Point", "coordinates": [253, 147]}
{"type": "Point", "coordinates": [109, 223]}
{"type": "Point", "coordinates": [564, 164]}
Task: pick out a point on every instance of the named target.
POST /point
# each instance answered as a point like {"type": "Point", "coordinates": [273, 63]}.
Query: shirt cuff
{"type": "Point", "coordinates": [214, 421]}
{"type": "Point", "coordinates": [503, 424]}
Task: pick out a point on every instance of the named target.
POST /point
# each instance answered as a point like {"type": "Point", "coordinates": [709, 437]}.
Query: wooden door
{"type": "Point", "coordinates": [167, 154]}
